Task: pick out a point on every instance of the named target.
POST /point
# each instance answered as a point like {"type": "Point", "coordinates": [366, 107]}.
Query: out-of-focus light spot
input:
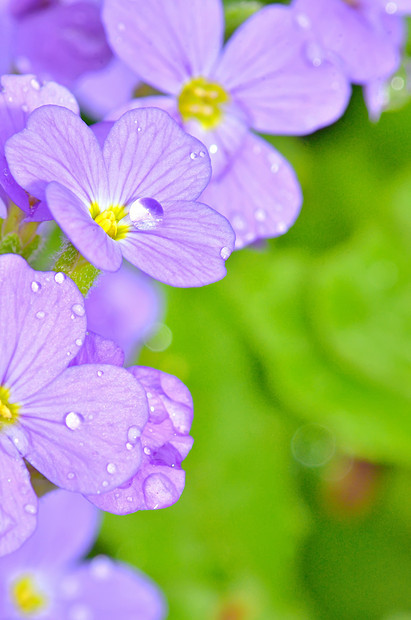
{"type": "Point", "coordinates": [313, 445]}
{"type": "Point", "coordinates": [160, 339]}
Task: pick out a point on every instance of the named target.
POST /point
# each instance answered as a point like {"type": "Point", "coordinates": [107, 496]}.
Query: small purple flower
{"type": "Point", "coordinates": [124, 307]}
{"type": "Point", "coordinates": [46, 578]}
{"type": "Point", "coordinates": [70, 424]}
{"type": "Point", "coordinates": [135, 197]}
{"type": "Point", "coordinates": [19, 96]}
{"type": "Point", "coordinates": [261, 79]}
{"type": "Point", "coordinates": [364, 36]}
{"type": "Point", "coordinates": [159, 482]}
{"type": "Point", "coordinates": [55, 39]}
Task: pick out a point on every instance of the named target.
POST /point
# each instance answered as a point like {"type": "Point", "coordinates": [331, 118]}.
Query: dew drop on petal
{"type": "Point", "coordinates": [147, 451]}
{"type": "Point", "coordinates": [70, 475]}
{"type": "Point", "coordinates": [260, 215]}
{"type": "Point", "coordinates": [100, 373]}
{"type": "Point", "coordinates": [35, 84]}
{"type": "Point", "coordinates": [40, 314]}
{"type": "Point", "coordinates": [100, 567]}
{"type": "Point", "coordinates": [35, 287]}
{"type": "Point", "coordinates": [30, 508]}
{"type": "Point", "coordinates": [104, 483]}
{"type": "Point", "coordinates": [391, 8]}
{"type": "Point", "coordinates": [193, 155]}
{"type": "Point", "coordinates": [133, 433]}
{"type": "Point", "coordinates": [78, 309]}
{"type": "Point", "coordinates": [213, 149]}
{"type": "Point", "coordinates": [274, 168]}
{"type": "Point", "coordinates": [146, 213]}
{"type": "Point", "coordinates": [129, 446]}
{"type": "Point", "coordinates": [225, 253]}
{"type": "Point", "coordinates": [79, 342]}
{"type": "Point", "coordinates": [59, 277]}
{"type": "Point", "coordinates": [202, 153]}
{"type": "Point", "coordinates": [73, 420]}
{"type": "Point", "coordinates": [111, 468]}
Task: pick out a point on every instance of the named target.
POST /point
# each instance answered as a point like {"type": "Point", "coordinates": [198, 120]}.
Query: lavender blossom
{"type": "Point", "coordinates": [19, 96]}
{"type": "Point", "coordinates": [261, 79]}
{"type": "Point", "coordinates": [70, 424]}
{"type": "Point", "coordinates": [124, 307]}
{"type": "Point", "coordinates": [135, 197]}
{"type": "Point", "coordinates": [46, 578]}
{"type": "Point", "coordinates": [159, 481]}
{"type": "Point", "coordinates": [363, 35]}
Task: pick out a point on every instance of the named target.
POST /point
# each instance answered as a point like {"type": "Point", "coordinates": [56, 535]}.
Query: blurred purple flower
{"type": "Point", "coordinates": [261, 79]}
{"type": "Point", "coordinates": [135, 197]}
{"type": "Point", "coordinates": [70, 424]}
{"type": "Point", "coordinates": [19, 96]}
{"type": "Point", "coordinates": [165, 438]}
{"type": "Point", "coordinates": [46, 578]}
{"type": "Point", "coordinates": [124, 307]}
{"type": "Point", "coordinates": [365, 36]}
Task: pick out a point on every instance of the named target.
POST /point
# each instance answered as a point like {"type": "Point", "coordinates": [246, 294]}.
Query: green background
{"type": "Point", "coordinates": [297, 502]}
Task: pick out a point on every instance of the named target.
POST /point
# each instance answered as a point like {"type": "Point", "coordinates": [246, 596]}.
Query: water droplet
{"type": "Point", "coordinates": [35, 287]}
{"type": "Point", "coordinates": [202, 153]}
{"type": "Point", "coordinates": [213, 148]}
{"type": "Point", "coordinates": [129, 499]}
{"type": "Point", "coordinates": [101, 567]}
{"type": "Point", "coordinates": [78, 309]}
{"type": "Point", "coordinates": [152, 409]}
{"type": "Point", "coordinates": [146, 213]}
{"type": "Point", "coordinates": [303, 21]}
{"type": "Point", "coordinates": [133, 433]}
{"type": "Point", "coordinates": [104, 483]}
{"type": "Point", "coordinates": [25, 107]}
{"type": "Point", "coordinates": [139, 129]}
{"type": "Point", "coordinates": [225, 253]}
{"type": "Point", "coordinates": [30, 508]}
{"type": "Point", "coordinates": [59, 277]}
{"type": "Point", "coordinates": [40, 314]}
{"type": "Point", "coordinates": [35, 84]}
{"type": "Point", "coordinates": [129, 446]}
{"type": "Point", "coordinates": [260, 215]}
{"type": "Point", "coordinates": [147, 451]}
{"type": "Point", "coordinates": [391, 8]}
{"type": "Point", "coordinates": [79, 342]}
{"type": "Point", "coordinates": [73, 420]}
{"type": "Point", "coordinates": [70, 475]}
{"type": "Point", "coordinates": [111, 468]}
{"type": "Point", "coordinates": [193, 155]}
{"type": "Point", "coordinates": [314, 53]}
{"type": "Point", "coordinates": [281, 227]}
{"type": "Point", "coordinates": [100, 373]}
{"type": "Point", "coordinates": [274, 168]}
{"type": "Point", "coordinates": [238, 222]}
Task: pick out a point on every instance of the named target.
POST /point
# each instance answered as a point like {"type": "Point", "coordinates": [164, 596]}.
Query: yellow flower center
{"type": "Point", "coordinates": [8, 411]}
{"type": "Point", "coordinates": [27, 597]}
{"type": "Point", "coordinates": [109, 220]}
{"type": "Point", "coordinates": [203, 101]}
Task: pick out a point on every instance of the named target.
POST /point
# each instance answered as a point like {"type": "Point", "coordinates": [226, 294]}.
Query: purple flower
{"type": "Point", "coordinates": [55, 39]}
{"type": "Point", "coordinates": [261, 79]}
{"type": "Point", "coordinates": [70, 424]}
{"type": "Point", "coordinates": [19, 96]}
{"type": "Point", "coordinates": [135, 197]}
{"type": "Point", "coordinates": [46, 578]}
{"type": "Point", "coordinates": [365, 36]}
{"type": "Point", "coordinates": [159, 481]}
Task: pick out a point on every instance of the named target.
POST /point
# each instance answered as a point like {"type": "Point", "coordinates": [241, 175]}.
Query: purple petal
{"type": "Point", "coordinates": [77, 428]}
{"type": "Point", "coordinates": [148, 154]}
{"type": "Point", "coordinates": [124, 307]}
{"type": "Point", "coordinates": [58, 146]}
{"type": "Point", "coordinates": [356, 35]}
{"type": "Point", "coordinates": [259, 194]}
{"type": "Point", "coordinates": [188, 248]}
{"type": "Point", "coordinates": [168, 104]}
{"type": "Point", "coordinates": [267, 72]}
{"type": "Point", "coordinates": [21, 94]}
{"type": "Point", "coordinates": [98, 350]}
{"type": "Point", "coordinates": [109, 590]}
{"type": "Point", "coordinates": [160, 480]}
{"type": "Point", "coordinates": [18, 512]}
{"type": "Point", "coordinates": [165, 42]}
{"type": "Point", "coordinates": [66, 528]}
{"type": "Point", "coordinates": [62, 42]}
{"type": "Point", "coordinates": [43, 316]}
{"type": "Point", "coordinates": [102, 91]}
{"type": "Point", "coordinates": [88, 237]}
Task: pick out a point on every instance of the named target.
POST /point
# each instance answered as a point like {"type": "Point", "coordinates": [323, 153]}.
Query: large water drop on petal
{"type": "Point", "coordinates": [146, 213]}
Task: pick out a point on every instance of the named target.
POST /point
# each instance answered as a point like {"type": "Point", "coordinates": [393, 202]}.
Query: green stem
{"type": "Point", "coordinates": [74, 265]}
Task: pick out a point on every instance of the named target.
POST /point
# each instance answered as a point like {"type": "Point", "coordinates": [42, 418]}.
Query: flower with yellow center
{"type": "Point", "coordinates": [8, 411]}
{"type": "Point", "coordinates": [203, 101]}
{"type": "Point", "coordinates": [27, 597]}
{"type": "Point", "coordinates": [109, 220]}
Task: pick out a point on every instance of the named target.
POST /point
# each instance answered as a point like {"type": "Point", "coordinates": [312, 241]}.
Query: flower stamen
{"type": "Point", "coordinates": [203, 101]}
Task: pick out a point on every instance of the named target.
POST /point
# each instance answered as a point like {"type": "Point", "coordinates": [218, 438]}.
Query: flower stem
{"type": "Point", "coordinates": [74, 265]}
